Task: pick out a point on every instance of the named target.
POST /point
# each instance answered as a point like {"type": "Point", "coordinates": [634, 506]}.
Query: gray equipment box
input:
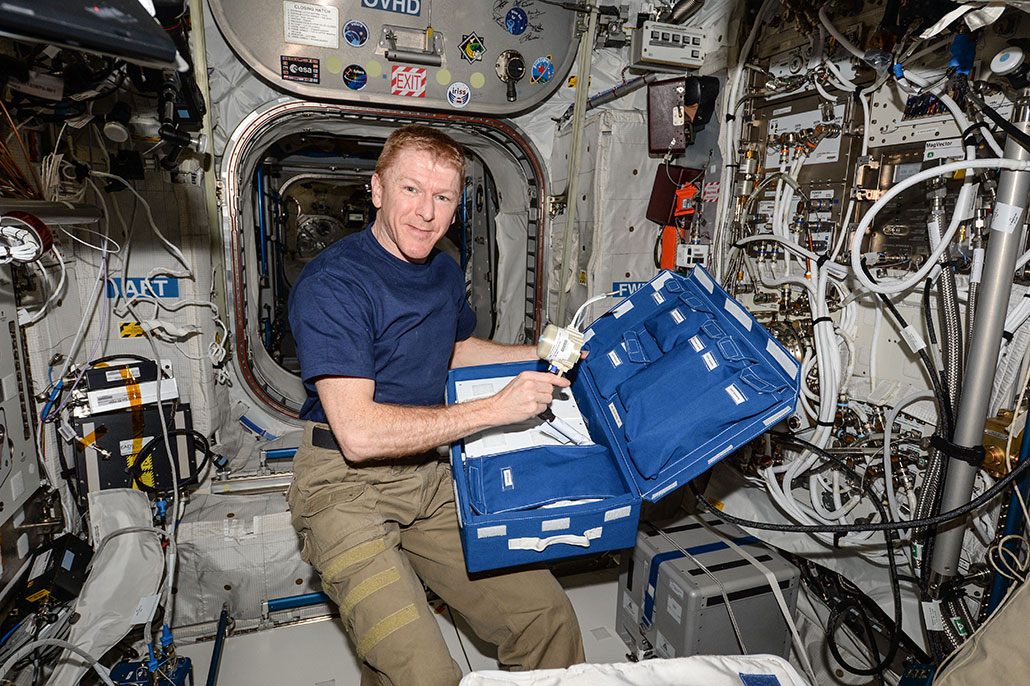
{"type": "Point", "coordinates": [670, 606]}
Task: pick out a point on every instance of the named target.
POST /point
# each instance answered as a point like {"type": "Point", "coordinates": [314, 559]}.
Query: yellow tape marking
{"type": "Point", "coordinates": [367, 588]}
{"type": "Point", "coordinates": [130, 330]}
{"type": "Point", "coordinates": [353, 556]}
{"type": "Point", "coordinates": [377, 633]}
{"type": "Point", "coordinates": [38, 595]}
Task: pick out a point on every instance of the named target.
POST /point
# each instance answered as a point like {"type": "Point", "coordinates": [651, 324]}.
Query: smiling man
{"type": "Point", "coordinates": [379, 317]}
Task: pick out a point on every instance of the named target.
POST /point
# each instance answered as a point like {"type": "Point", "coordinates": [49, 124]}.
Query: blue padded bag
{"type": "Point", "coordinates": [678, 323]}
{"type": "Point", "coordinates": [725, 387]}
{"type": "Point", "coordinates": [654, 399]}
{"type": "Point", "coordinates": [528, 478]}
{"type": "Point", "coordinates": [632, 353]}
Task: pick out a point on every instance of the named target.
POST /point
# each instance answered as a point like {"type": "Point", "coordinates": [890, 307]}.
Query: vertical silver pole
{"type": "Point", "coordinates": [995, 289]}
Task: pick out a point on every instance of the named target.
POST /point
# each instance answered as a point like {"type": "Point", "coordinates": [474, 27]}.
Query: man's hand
{"type": "Point", "coordinates": [525, 396]}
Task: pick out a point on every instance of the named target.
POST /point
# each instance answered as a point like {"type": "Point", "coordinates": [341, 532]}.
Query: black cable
{"type": "Point", "coordinates": [135, 471]}
{"type": "Point", "coordinates": [1014, 133]}
{"type": "Point", "coordinates": [892, 568]}
{"type": "Point", "coordinates": [943, 403]}
{"type": "Point", "coordinates": [458, 634]}
{"type": "Point", "coordinates": [927, 314]}
{"type": "Point", "coordinates": [111, 358]}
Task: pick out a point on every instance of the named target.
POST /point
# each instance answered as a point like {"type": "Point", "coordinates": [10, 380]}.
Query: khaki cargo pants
{"type": "Point", "coordinates": [373, 531]}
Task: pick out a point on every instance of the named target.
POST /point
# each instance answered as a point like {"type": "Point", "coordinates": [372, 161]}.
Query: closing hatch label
{"type": "Point", "coordinates": [307, 24]}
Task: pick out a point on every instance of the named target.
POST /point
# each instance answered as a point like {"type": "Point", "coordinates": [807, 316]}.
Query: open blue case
{"type": "Point", "coordinates": [679, 375]}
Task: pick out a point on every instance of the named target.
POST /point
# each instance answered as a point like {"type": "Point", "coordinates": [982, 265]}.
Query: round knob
{"type": "Point", "coordinates": [1007, 61]}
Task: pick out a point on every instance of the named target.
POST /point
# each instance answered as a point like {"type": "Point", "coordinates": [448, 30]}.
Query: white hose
{"type": "Point", "coordinates": [962, 206]}
{"type": "Point", "coordinates": [840, 37]}
{"type": "Point", "coordinates": [888, 427]}
{"type": "Point", "coordinates": [27, 649]}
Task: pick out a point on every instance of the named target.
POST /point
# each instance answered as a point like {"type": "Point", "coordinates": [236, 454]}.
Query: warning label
{"type": "Point", "coordinates": [409, 81]}
{"type": "Point", "coordinates": [307, 24]}
{"type": "Point", "coordinates": [710, 192]}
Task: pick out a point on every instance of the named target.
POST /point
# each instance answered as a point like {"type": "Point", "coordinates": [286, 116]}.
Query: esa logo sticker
{"type": "Point", "coordinates": [354, 77]}
{"type": "Point", "coordinates": [516, 21]}
{"type": "Point", "coordinates": [542, 71]}
{"type": "Point", "coordinates": [409, 81]}
{"type": "Point", "coordinates": [355, 33]}
{"type": "Point", "coordinates": [299, 68]}
{"type": "Point", "coordinates": [412, 7]}
{"type": "Point", "coordinates": [472, 48]}
{"type": "Point", "coordinates": [459, 94]}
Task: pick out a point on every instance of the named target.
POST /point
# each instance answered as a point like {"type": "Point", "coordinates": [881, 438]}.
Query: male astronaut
{"type": "Point", "coordinates": [378, 318]}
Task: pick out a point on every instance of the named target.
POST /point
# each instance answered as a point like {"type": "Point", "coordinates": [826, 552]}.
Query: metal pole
{"type": "Point", "coordinates": [586, 47]}
{"type": "Point", "coordinates": [996, 287]}
{"type": "Point", "coordinates": [216, 653]}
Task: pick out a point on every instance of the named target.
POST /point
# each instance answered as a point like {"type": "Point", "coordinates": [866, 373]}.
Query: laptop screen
{"type": "Point", "coordinates": [120, 28]}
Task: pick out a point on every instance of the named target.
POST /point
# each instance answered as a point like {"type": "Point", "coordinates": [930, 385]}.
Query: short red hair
{"type": "Point", "coordinates": [422, 137]}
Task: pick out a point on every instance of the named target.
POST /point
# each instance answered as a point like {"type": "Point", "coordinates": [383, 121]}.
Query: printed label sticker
{"type": "Point", "coordinates": [542, 71]}
{"type": "Point", "coordinates": [410, 7]}
{"type": "Point", "coordinates": [300, 69]}
{"type": "Point", "coordinates": [408, 81]}
{"type": "Point", "coordinates": [308, 24]}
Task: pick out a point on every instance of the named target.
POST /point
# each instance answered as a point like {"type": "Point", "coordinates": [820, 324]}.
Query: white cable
{"type": "Point", "coordinates": [838, 36]}
{"type": "Point", "coordinates": [576, 323]}
{"type": "Point", "coordinates": [888, 429]}
{"type": "Point", "coordinates": [28, 648]}
{"type": "Point", "coordinates": [732, 95]}
{"type": "Point", "coordinates": [962, 206]}
{"type": "Point", "coordinates": [172, 248]}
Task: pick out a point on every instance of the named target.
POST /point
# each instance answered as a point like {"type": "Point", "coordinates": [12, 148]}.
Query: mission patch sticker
{"type": "Point", "coordinates": [543, 70]}
{"type": "Point", "coordinates": [355, 33]}
{"type": "Point", "coordinates": [355, 77]}
{"type": "Point", "coordinates": [459, 94]}
{"type": "Point", "coordinates": [472, 48]}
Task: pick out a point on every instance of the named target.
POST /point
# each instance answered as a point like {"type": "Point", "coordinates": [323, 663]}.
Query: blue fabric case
{"type": "Point", "coordinates": [529, 478]}
{"type": "Point", "coordinates": [678, 376]}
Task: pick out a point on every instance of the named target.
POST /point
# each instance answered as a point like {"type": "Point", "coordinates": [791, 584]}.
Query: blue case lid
{"type": "Point", "coordinates": [755, 373]}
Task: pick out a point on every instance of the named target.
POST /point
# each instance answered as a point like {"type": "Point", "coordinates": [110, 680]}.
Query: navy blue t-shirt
{"type": "Point", "coordinates": [356, 310]}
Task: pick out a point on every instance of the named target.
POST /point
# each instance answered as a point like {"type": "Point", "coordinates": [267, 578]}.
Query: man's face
{"type": "Point", "coordinates": [417, 197]}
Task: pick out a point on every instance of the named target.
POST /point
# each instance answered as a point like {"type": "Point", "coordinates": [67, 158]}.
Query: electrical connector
{"type": "Point", "coordinates": [167, 638]}
{"type": "Point", "coordinates": [152, 661]}
{"type": "Point", "coordinates": [560, 347]}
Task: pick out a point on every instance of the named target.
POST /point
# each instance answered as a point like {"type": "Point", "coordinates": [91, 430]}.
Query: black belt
{"type": "Point", "coordinates": [323, 438]}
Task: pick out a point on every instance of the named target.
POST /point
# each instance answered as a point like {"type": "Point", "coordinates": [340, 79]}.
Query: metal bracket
{"type": "Point", "coordinates": [556, 205]}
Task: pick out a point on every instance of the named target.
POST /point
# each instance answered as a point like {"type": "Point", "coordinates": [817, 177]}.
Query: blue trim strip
{"type": "Point", "coordinates": [291, 602]}
{"type": "Point", "coordinates": [280, 453]}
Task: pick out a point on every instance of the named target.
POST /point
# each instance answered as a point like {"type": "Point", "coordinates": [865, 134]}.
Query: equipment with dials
{"type": "Point", "coordinates": [660, 47]}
